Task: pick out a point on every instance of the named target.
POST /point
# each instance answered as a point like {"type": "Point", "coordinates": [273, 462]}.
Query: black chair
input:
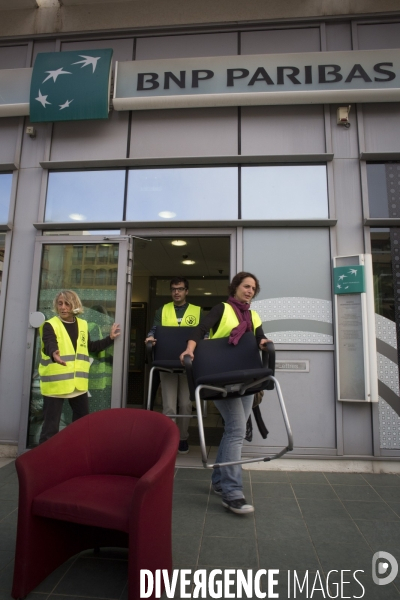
{"type": "Point", "coordinates": [164, 355]}
{"type": "Point", "coordinates": [221, 370]}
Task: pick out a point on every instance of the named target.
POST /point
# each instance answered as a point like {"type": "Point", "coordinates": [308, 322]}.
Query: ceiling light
{"type": "Point", "coordinates": [77, 217]}
{"type": "Point", "coordinates": [166, 214]}
{"type": "Point", "coordinates": [208, 293]}
{"type": "Point", "coordinates": [179, 243]}
{"type": "Point", "coordinates": [188, 262]}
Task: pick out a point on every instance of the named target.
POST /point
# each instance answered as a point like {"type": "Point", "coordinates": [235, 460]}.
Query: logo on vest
{"type": "Point", "coordinates": [190, 320]}
{"type": "Point", "coordinates": [82, 339]}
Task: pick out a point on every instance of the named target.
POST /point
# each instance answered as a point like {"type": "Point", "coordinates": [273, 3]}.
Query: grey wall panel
{"type": "Point", "coordinates": [338, 36]}
{"type": "Point", "coordinates": [310, 404]}
{"type": "Point", "coordinates": [349, 229]}
{"type": "Point", "coordinates": [275, 41]}
{"type": "Point", "coordinates": [13, 57]}
{"type": "Point", "coordinates": [33, 149]}
{"type": "Point", "coordinates": [187, 46]}
{"type": "Point", "coordinates": [43, 46]}
{"type": "Point", "coordinates": [91, 140]}
{"type": "Point", "coordinates": [123, 49]}
{"type": "Point", "coordinates": [383, 35]}
{"type": "Point", "coordinates": [344, 141]}
{"type": "Point", "coordinates": [17, 303]}
{"type": "Point", "coordinates": [8, 138]}
{"type": "Point", "coordinates": [283, 129]}
{"type": "Point", "coordinates": [381, 125]}
{"type": "Point", "coordinates": [184, 132]}
{"type": "Point", "coordinates": [357, 429]}
{"type": "Point", "coordinates": [289, 262]}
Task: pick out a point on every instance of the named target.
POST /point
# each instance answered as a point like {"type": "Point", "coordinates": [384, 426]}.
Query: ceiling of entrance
{"type": "Point", "coordinates": [160, 257]}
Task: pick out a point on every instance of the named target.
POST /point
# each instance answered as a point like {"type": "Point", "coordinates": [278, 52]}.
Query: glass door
{"type": "Point", "coordinates": [98, 270]}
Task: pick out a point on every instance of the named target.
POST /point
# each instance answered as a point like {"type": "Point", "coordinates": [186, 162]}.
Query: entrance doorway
{"type": "Point", "coordinates": [205, 261]}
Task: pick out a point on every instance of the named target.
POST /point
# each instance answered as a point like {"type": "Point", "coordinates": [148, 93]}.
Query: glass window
{"type": "Point", "coordinates": [383, 249]}
{"type": "Point", "coordinates": [384, 189]}
{"type": "Point", "coordinates": [85, 196]}
{"type": "Point", "coordinates": [190, 194]}
{"type": "Point", "coordinates": [284, 192]}
{"type": "Point", "coordinates": [5, 193]}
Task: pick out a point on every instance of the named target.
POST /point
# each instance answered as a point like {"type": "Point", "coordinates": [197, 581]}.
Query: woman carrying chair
{"type": "Point", "coordinates": [231, 319]}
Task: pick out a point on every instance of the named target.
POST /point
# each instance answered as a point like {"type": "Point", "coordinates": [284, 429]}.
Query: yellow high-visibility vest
{"type": "Point", "coordinates": [191, 316]}
{"type": "Point", "coordinates": [55, 379]}
{"type": "Point", "coordinates": [229, 321]}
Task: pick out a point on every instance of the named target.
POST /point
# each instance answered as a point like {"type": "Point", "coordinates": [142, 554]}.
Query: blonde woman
{"type": "Point", "coordinates": [64, 364]}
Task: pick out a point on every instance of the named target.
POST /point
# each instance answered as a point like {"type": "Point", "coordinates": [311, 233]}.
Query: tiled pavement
{"type": "Point", "coordinates": [303, 521]}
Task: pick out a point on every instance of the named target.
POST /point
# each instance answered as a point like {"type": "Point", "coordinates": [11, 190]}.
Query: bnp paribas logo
{"type": "Point", "coordinates": [70, 86]}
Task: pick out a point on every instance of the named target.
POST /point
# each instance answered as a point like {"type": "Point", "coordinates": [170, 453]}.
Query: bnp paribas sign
{"type": "Point", "coordinates": [70, 86]}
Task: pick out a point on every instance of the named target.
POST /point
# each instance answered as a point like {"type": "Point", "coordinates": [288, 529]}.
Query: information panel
{"type": "Point", "coordinates": [352, 357]}
{"type": "Point", "coordinates": [350, 347]}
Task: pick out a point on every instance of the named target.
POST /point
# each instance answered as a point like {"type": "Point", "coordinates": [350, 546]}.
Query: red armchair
{"type": "Point", "coordinates": [105, 480]}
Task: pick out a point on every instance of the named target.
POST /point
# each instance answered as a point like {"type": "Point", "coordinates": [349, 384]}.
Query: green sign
{"type": "Point", "coordinates": [70, 86]}
{"type": "Point", "coordinates": [349, 280]}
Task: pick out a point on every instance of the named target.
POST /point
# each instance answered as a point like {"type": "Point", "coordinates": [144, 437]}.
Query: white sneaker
{"type": "Point", "coordinates": [238, 506]}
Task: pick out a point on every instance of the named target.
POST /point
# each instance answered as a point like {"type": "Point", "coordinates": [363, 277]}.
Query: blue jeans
{"type": "Point", "coordinates": [235, 413]}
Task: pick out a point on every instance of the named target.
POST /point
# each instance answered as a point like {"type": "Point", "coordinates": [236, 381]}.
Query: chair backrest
{"type": "Point", "coordinates": [218, 363]}
{"type": "Point", "coordinates": [218, 356]}
{"type": "Point", "coordinates": [117, 441]}
{"type": "Point", "coordinates": [171, 342]}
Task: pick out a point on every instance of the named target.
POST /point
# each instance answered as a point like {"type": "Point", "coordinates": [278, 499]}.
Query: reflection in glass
{"type": "Point", "coordinates": [59, 270]}
{"type": "Point", "coordinates": [2, 245]}
{"type": "Point", "coordinates": [190, 194]}
{"type": "Point", "coordinates": [384, 189]}
{"type": "Point", "coordinates": [78, 196]}
{"type": "Point", "coordinates": [5, 193]}
{"type": "Point", "coordinates": [383, 273]}
{"type": "Point", "coordinates": [284, 192]}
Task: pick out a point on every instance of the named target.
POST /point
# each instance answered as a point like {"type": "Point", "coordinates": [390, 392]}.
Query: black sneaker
{"type": "Point", "coordinates": [216, 490]}
{"type": "Point", "coordinates": [183, 447]}
{"type": "Point", "coordinates": [238, 506]}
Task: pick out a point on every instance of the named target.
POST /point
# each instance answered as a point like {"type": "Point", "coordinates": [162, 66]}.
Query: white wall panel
{"type": "Point", "coordinates": [13, 57]}
{"type": "Point", "coordinates": [382, 126]}
{"type": "Point", "coordinates": [338, 36]}
{"type": "Point", "coordinates": [91, 140]}
{"type": "Point", "coordinates": [276, 41]}
{"type": "Point", "coordinates": [383, 35]}
{"type": "Point", "coordinates": [282, 129]}
{"type": "Point", "coordinates": [187, 46]}
{"type": "Point", "coordinates": [184, 132]}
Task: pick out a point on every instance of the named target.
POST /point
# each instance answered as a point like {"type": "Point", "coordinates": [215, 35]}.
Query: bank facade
{"type": "Point", "coordinates": [198, 182]}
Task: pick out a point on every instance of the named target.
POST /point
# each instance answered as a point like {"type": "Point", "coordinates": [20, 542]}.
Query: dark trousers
{"type": "Point", "coordinates": [52, 409]}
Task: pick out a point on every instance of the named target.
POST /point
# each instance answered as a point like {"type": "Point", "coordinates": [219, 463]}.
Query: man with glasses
{"type": "Point", "coordinates": [174, 387]}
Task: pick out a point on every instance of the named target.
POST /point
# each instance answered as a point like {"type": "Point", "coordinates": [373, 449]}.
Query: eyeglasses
{"type": "Point", "coordinates": [179, 289]}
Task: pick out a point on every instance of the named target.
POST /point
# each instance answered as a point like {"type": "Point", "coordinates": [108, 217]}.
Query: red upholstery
{"type": "Point", "coordinates": [105, 480]}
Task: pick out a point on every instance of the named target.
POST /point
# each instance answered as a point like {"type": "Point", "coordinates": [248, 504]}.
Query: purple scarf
{"type": "Point", "coordinates": [242, 311]}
